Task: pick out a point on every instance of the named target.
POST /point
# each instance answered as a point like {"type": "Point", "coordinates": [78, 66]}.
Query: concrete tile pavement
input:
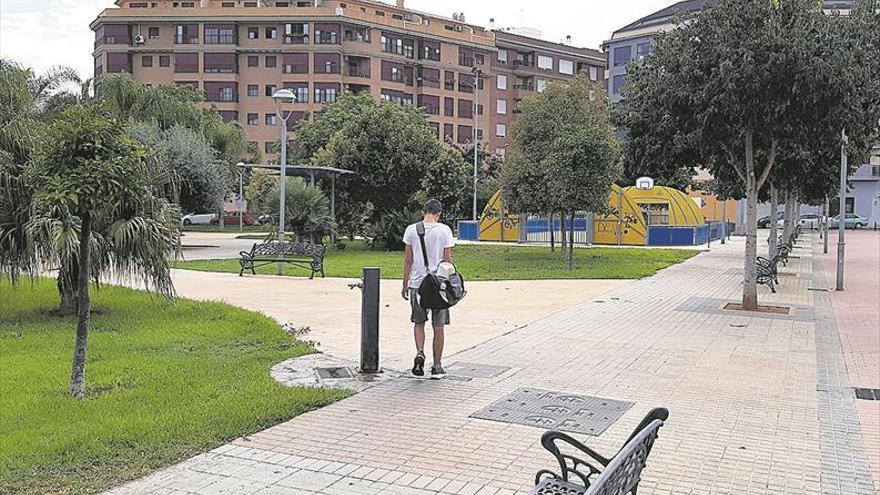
{"type": "Point", "coordinates": [746, 416]}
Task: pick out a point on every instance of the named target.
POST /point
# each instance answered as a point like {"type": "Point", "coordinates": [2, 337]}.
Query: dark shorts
{"type": "Point", "coordinates": [439, 317]}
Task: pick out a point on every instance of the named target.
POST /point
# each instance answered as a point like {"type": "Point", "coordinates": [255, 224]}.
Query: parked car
{"type": "Point", "coordinates": [232, 219]}
{"type": "Point", "coordinates": [266, 219]}
{"type": "Point", "coordinates": [199, 218]}
{"type": "Point", "coordinates": [809, 221]}
{"type": "Point", "coordinates": [764, 222]}
{"type": "Point", "coordinates": [853, 221]}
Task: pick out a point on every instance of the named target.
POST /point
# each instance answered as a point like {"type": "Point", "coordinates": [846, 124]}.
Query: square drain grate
{"type": "Point", "coordinates": [334, 373]}
{"type": "Point", "coordinates": [867, 393]}
{"type": "Point", "coordinates": [556, 411]}
{"type": "Point", "coordinates": [475, 370]}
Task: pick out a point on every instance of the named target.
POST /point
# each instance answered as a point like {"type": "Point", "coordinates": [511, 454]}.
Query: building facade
{"type": "Point", "coordinates": [240, 52]}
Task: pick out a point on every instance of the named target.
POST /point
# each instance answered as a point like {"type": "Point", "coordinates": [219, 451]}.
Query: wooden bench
{"type": "Point", "coordinates": [618, 475]}
{"type": "Point", "coordinates": [300, 254]}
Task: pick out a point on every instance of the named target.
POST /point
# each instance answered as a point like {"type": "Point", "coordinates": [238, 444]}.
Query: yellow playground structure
{"type": "Point", "coordinates": [632, 212]}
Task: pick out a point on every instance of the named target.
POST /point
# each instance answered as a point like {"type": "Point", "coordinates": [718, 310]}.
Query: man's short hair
{"type": "Point", "coordinates": [433, 207]}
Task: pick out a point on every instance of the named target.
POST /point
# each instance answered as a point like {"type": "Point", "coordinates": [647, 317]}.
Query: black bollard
{"type": "Point", "coordinates": [370, 321]}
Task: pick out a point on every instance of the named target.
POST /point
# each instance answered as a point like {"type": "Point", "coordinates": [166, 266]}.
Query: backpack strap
{"type": "Point", "coordinates": [420, 230]}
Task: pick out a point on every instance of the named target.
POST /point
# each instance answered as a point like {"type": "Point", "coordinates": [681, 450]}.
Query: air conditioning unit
{"type": "Point", "coordinates": [139, 40]}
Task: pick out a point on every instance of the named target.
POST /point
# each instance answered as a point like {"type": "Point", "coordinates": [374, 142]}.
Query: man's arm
{"type": "Point", "coordinates": [407, 268]}
{"type": "Point", "coordinates": [447, 254]}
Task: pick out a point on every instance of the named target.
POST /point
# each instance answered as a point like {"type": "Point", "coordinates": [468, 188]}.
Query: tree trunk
{"type": "Point", "coordinates": [552, 235]}
{"type": "Point", "coordinates": [77, 375]}
{"type": "Point", "coordinates": [750, 285]}
{"type": "Point", "coordinates": [571, 244]}
{"type": "Point", "coordinates": [774, 206]}
{"type": "Point", "coordinates": [562, 236]}
{"type": "Point", "coordinates": [68, 289]}
{"type": "Point", "coordinates": [786, 227]}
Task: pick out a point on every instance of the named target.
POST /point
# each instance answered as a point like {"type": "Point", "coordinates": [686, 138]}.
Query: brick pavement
{"type": "Point", "coordinates": [746, 416]}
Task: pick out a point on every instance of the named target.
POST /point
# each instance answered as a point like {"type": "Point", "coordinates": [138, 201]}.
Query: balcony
{"type": "Point", "coordinates": [357, 71]}
{"type": "Point", "coordinates": [296, 39]}
{"type": "Point", "coordinates": [326, 39]}
{"type": "Point", "coordinates": [357, 36]}
{"type": "Point", "coordinates": [429, 82]}
{"type": "Point", "coordinates": [465, 60]}
{"type": "Point", "coordinates": [186, 40]}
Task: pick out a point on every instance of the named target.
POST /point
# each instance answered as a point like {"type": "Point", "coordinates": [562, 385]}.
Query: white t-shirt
{"type": "Point", "coordinates": [438, 237]}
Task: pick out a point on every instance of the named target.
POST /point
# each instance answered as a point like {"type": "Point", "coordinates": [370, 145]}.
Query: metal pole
{"type": "Point", "coordinates": [841, 222]}
{"type": "Point", "coordinates": [283, 186]}
{"type": "Point", "coordinates": [619, 216]}
{"type": "Point", "coordinates": [476, 142]}
{"type": "Point", "coordinates": [724, 219]}
{"type": "Point", "coordinates": [370, 321]}
{"type": "Point", "coordinates": [333, 205]}
{"type": "Point", "coordinates": [241, 200]}
{"type": "Point", "coordinates": [825, 222]}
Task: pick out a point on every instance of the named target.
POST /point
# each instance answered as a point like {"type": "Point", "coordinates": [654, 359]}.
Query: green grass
{"type": "Point", "coordinates": [485, 262]}
{"type": "Point", "coordinates": [165, 380]}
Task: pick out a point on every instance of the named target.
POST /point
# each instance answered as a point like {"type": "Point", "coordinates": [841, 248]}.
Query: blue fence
{"type": "Point", "coordinates": [662, 235]}
{"type": "Point", "coordinates": [469, 230]}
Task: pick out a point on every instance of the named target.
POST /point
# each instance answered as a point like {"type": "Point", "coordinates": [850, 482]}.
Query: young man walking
{"type": "Point", "coordinates": [438, 245]}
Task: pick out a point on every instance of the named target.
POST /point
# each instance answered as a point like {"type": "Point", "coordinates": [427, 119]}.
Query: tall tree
{"type": "Point", "coordinates": [564, 155]}
{"type": "Point", "coordinates": [741, 85]}
{"type": "Point", "coordinates": [89, 174]}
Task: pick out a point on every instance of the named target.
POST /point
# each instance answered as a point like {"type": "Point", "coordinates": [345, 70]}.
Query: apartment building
{"type": "Point", "coordinates": [240, 52]}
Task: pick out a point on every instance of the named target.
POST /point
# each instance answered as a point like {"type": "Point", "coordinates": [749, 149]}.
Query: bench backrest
{"type": "Point", "coordinates": [624, 472]}
{"type": "Point", "coordinates": [288, 249]}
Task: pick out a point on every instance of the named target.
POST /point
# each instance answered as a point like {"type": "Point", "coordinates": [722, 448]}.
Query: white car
{"type": "Point", "coordinates": [809, 221]}
{"type": "Point", "coordinates": [199, 218]}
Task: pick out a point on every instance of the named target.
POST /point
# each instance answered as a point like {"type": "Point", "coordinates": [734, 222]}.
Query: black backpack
{"type": "Point", "coordinates": [437, 291]}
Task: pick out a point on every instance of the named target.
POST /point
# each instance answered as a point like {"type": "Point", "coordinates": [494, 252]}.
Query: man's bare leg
{"type": "Point", "coordinates": [419, 333]}
{"type": "Point", "coordinates": [438, 344]}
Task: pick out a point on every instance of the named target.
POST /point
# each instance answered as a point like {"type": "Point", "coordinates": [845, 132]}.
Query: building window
{"type": "Point", "coordinates": [594, 73]}
{"type": "Point", "coordinates": [271, 33]}
{"type": "Point", "coordinates": [501, 81]}
{"type": "Point", "coordinates": [302, 93]}
{"type": "Point", "coordinates": [270, 89]}
{"type": "Point", "coordinates": [502, 56]}
{"type": "Point", "coordinates": [540, 85]}
{"type": "Point", "coordinates": [147, 61]}
{"type": "Point", "coordinates": [449, 107]}
{"type": "Point", "coordinates": [227, 4]}
{"type": "Point", "coordinates": [500, 152]}
{"type": "Point", "coordinates": [153, 32]}
{"type": "Point", "coordinates": [501, 130]}
{"type": "Point", "coordinates": [227, 94]}
{"type": "Point", "coordinates": [219, 36]}
{"type": "Point", "coordinates": [253, 60]}
{"type": "Point", "coordinates": [501, 107]}
{"type": "Point", "coordinates": [252, 119]}
{"type": "Point", "coordinates": [325, 95]}
{"type": "Point", "coordinates": [253, 33]}
{"type": "Point", "coordinates": [270, 60]}
{"type": "Point", "coordinates": [186, 34]}
{"type": "Point", "coordinates": [270, 119]}
{"type": "Point", "coordinates": [566, 67]}
{"type": "Point", "coordinates": [617, 84]}
{"type": "Point", "coordinates": [250, 4]}
{"type": "Point", "coordinates": [296, 33]}
{"type": "Point", "coordinates": [850, 205]}
{"type": "Point", "coordinates": [479, 59]}
{"type": "Point", "coordinates": [622, 55]}
{"type": "Point", "coordinates": [643, 50]}
{"type": "Point", "coordinates": [269, 147]}
{"type": "Point", "coordinates": [466, 109]}
{"type": "Point", "coordinates": [253, 90]}
{"type": "Point", "coordinates": [545, 62]}
{"type": "Point", "coordinates": [164, 60]}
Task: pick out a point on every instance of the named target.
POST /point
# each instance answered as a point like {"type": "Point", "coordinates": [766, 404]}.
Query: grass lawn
{"type": "Point", "coordinates": [485, 262]}
{"type": "Point", "coordinates": [166, 381]}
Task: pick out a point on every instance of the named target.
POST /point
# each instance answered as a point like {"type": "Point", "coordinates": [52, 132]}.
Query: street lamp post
{"type": "Point", "coordinates": [478, 76]}
{"type": "Point", "coordinates": [841, 216]}
{"type": "Point", "coordinates": [282, 96]}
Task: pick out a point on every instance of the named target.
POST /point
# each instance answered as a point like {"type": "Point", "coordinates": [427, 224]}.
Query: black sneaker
{"type": "Point", "coordinates": [437, 372]}
{"type": "Point", "coordinates": [419, 364]}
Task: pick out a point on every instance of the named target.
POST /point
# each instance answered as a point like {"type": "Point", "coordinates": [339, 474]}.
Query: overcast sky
{"type": "Point", "coordinates": [45, 33]}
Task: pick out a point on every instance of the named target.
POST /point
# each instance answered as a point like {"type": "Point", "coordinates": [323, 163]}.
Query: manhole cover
{"type": "Point", "coordinates": [475, 370]}
{"type": "Point", "coordinates": [556, 411]}
{"type": "Point", "coordinates": [334, 373]}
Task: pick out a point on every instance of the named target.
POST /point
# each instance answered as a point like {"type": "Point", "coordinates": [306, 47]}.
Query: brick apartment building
{"type": "Point", "coordinates": [240, 52]}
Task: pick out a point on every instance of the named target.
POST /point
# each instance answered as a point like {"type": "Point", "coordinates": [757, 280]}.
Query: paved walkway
{"type": "Point", "coordinates": [758, 403]}
{"type": "Point", "coordinates": [332, 311]}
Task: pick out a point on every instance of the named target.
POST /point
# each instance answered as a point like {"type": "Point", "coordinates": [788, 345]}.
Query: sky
{"type": "Point", "coordinates": [45, 33]}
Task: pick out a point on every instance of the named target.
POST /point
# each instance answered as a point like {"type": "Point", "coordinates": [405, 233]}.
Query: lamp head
{"type": "Point", "coordinates": [284, 96]}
